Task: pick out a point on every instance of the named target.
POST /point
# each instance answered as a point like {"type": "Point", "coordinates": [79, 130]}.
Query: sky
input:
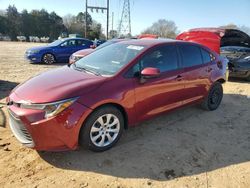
{"type": "Point", "coordinates": [186, 14]}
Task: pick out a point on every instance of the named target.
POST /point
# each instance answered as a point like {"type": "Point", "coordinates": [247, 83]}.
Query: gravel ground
{"type": "Point", "coordinates": [185, 148]}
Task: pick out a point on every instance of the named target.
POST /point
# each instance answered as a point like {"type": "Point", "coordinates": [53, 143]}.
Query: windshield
{"type": "Point", "coordinates": [56, 43]}
{"type": "Point", "coordinates": [105, 44]}
{"type": "Point", "coordinates": [109, 60]}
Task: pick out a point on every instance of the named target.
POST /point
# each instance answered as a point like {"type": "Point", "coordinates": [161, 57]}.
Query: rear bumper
{"type": "Point", "coordinates": [239, 73]}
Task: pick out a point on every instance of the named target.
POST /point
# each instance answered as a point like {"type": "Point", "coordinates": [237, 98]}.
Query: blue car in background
{"type": "Point", "coordinates": [57, 51]}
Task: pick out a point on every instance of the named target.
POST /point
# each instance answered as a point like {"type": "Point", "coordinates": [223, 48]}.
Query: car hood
{"type": "Point", "coordinates": [84, 52]}
{"type": "Point", "coordinates": [55, 85]}
{"type": "Point", "coordinates": [38, 48]}
{"type": "Point", "coordinates": [214, 38]}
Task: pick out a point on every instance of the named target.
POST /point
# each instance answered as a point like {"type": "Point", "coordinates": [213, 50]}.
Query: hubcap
{"type": "Point", "coordinates": [105, 130]}
{"type": "Point", "coordinates": [48, 58]}
{"type": "Point", "coordinates": [215, 97]}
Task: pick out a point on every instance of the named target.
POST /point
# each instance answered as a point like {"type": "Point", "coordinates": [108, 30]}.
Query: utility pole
{"type": "Point", "coordinates": [97, 8]}
{"type": "Point", "coordinates": [124, 27]}
{"type": "Point", "coordinates": [86, 13]}
{"type": "Point", "coordinates": [112, 21]}
{"type": "Point", "coordinates": [107, 19]}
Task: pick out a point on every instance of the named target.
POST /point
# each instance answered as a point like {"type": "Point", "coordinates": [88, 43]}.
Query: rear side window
{"type": "Point", "coordinates": [206, 56]}
{"type": "Point", "coordinates": [83, 43]}
{"type": "Point", "coordinates": [163, 58]}
{"type": "Point", "coordinates": [191, 55]}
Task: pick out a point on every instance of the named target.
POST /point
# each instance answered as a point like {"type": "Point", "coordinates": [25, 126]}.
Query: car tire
{"type": "Point", "coordinates": [102, 129]}
{"type": "Point", "coordinates": [214, 97]}
{"type": "Point", "coordinates": [48, 58]}
{"type": "Point", "coordinates": [248, 78]}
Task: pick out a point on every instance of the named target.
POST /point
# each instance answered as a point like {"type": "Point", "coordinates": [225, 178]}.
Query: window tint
{"type": "Point", "coordinates": [163, 58]}
{"type": "Point", "coordinates": [106, 44]}
{"type": "Point", "coordinates": [83, 43]}
{"type": "Point", "coordinates": [109, 60]}
{"type": "Point", "coordinates": [191, 55]}
{"type": "Point", "coordinates": [69, 43]}
{"type": "Point", "coordinates": [206, 56]}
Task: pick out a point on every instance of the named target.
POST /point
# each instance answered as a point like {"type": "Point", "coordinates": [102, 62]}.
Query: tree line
{"type": "Point", "coordinates": [40, 23]}
{"type": "Point", "coordinates": [168, 29]}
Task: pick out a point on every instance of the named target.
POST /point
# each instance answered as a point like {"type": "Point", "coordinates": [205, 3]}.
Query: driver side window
{"type": "Point", "coordinates": [164, 58]}
{"type": "Point", "coordinates": [69, 43]}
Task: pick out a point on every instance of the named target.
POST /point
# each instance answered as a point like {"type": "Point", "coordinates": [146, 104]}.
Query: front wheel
{"type": "Point", "coordinates": [102, 129]}
{"type": "Point", "coordinates": [48, 58]}
{"type": "Point", "coordinates": [248, 78]}
{"type": "Point", "coordinates": [214, 98]}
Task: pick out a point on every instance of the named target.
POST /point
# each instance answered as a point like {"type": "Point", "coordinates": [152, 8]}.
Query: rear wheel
{"type": "Point", "coordinates": [102, 129]}
{"type": "Point", "coordinates": [48, 58]}
{"type": "Point", "coordinates": [248, 78]}
{"type": "Point", "coordinates": [214, 98]}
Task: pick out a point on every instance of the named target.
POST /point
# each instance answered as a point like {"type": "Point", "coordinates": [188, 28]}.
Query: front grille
{"type": "Point", "coordinates": [19, 130]}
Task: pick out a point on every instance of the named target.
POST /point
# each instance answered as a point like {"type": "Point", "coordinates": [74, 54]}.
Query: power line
{"type": "Point", "coordinates": [124, 27]}
{"type": "Point", "coordinates": [97, 8]}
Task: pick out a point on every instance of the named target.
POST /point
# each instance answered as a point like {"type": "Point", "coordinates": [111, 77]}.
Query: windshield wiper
{"type": "Point", "coordinates": [86, 70]}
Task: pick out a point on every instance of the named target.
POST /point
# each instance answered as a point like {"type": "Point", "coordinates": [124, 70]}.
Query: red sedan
{"type": "Point", "coordinates": [112, 89]}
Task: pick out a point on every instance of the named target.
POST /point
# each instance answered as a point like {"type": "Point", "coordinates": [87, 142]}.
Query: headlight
{"type": "Point", "coordinates": [75, 58]}
{"type": "Point", "coordinates": [72, 57]}
{"type": "Point", "coordinates": [50, 109]}
{"type": "Point", "coordinates": [33, 51]}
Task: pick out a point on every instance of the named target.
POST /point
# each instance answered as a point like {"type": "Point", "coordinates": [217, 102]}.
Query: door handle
{"type": "Point", "coordinates": [178, 78]}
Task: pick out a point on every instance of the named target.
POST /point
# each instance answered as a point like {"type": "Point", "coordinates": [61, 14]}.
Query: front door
{"type": "Point", "coordinates": [156, 95]}
{"type": "Point", "coordinates": [65, 50]}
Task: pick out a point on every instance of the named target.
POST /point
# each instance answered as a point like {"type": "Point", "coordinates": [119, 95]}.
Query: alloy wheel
{"type": "Point", "coordinates": [48, 59]}
{"type": "Point", "coordinates": [105, 130]}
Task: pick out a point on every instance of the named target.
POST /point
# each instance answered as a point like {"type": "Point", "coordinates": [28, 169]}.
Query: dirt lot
{"type": "Point", "coordinates": [186, 148]}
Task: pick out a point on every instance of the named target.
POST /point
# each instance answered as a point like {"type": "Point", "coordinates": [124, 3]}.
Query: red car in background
{"type": "Point", "coordinates": [223, 41]}
{"type": "Point", "coordinates": [112, 89]}
{"type": "Point", "coordinates": [81, 53]}
{"type": "Point", "coordinates": [215, 38]}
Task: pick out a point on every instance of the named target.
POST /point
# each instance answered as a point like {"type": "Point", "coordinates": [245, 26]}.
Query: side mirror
{"type": "Point", "coordinates": [92, 46]}
{"type": "Point", "coordinates": [149, 72]}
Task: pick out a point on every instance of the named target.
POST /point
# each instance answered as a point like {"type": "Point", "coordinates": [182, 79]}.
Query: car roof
{"type": "Point", "coordinates": [74, 38]}
{"type": "Point", "coordinates": [154, 42]}
{"type": "Point", "coordinates": [119, 39]}
{"type": "Point", "coordinates": [150, 42]}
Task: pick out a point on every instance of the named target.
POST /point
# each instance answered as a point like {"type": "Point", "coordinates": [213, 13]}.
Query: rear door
{"type": "Point", "coordinates": [196, 71]}
{"type": "Point", "coordinates": [157, 95]}
{"type": "Point", "coordinates": [82, 44]}
{"type": "Point", "coordinates": [65, 50]}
